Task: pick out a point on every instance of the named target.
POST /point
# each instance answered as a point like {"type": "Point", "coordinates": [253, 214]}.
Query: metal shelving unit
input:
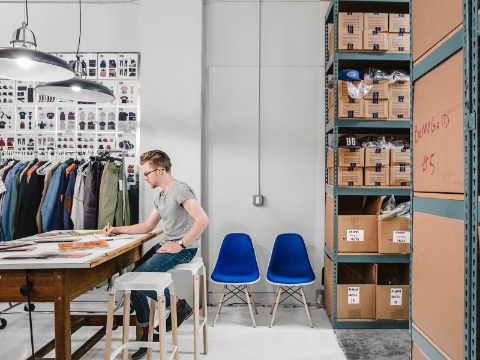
{"type": "Point", "coordinates": [466, 209]}
{"type": "Point", "coordinates": [338, 61]}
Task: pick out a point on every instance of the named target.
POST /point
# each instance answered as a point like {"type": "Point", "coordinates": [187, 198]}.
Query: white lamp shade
{"type": "Point", "coordinates": [32, 65]}
{"type": "Point", "coordinates": [76, 89]}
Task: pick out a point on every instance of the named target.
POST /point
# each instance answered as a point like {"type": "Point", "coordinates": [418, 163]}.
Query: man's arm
{"type": "Point", "coordinates": [200, 223]}
{"type": "Point", "coordinates": [141, 228]}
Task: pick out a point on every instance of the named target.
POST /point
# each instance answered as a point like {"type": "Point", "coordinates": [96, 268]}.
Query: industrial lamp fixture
{"type": "Point", "coordinates": [23, 62]}
{"type": "Point", "coordinates": [77, 88]}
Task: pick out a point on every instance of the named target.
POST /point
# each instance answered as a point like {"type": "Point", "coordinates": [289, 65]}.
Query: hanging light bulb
{"type": "Point", "coordinates": [77, 88]}
{"type": "Point", "coordinates": [23, 62]}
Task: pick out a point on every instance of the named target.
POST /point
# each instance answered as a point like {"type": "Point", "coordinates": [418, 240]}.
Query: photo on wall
{"type": "Point", "coordinates": [127, 66]}
{"type": "Point", "coordinates": [107, 118]}
{"type": "Point", "coordinates": [127, 93]}
{"type": "Point", "coordinates": [107, 66]}
{"type": "Point", "coordinates": [66, 118]}
{"type": "Point", "coordinates": [25, 92]}
{"type": "Point", "coordinates": [46, 118]}
{"type": "Point", "coordinates": [25, 142]}
{"type": "Point", "coordinates": [25, 118]}
{"type": "Point", "coordinates": [7, 118]}
{"type": "Point", "coordinates": [45, 142]}
{"type": "Point", "coordinates": [7, 92]}
{"type": "Point", "coordinates": [7, 141]}
{"type": "Point", "coordinates": [90, 60]}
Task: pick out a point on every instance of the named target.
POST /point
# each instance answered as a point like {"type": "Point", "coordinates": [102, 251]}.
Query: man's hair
{"type": "Point", "coordinates": [156, 158]}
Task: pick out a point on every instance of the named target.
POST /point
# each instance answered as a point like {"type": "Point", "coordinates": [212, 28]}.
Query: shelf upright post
{"type": "Point", "coordinates": [411, 177]}
{"type": "Point", "coordinates": [335, 163]}
{"type": "Point", "coordinates": [470, 183]}
{"type": "Point", "coordinates": [472, 26]}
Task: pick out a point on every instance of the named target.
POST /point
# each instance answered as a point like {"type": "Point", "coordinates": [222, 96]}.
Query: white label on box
{"type": "Point", "coordinates": [396, 297]}
{"type": "Point", "coordinates": [354, 235]}
{"type": "Point", "coordinates": [402, 237]}
{"type": "Point", "coordinates": [354, 295]}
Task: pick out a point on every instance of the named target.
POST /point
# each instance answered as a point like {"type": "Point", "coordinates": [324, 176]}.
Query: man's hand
{"type": "Point", "coordinates": [109, 230]}
{"type": "Point", "coordinates": [170, 247]}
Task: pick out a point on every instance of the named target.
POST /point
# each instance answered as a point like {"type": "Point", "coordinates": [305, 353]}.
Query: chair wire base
{"type": "Point", "coordinates": [232, 292]}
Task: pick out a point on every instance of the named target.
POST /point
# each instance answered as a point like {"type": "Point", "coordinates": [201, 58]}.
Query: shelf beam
{"type": "Point", "coordinates": [384, 190]}
{"type": "Point", "coordinates": [367, 126]}
{"type": "Point", "coordinates": [371, 325]}
{"type": "Point", "coordinates": [424, 345]}
{"type": "Point", "coordinates": [443, 52]}
{"type": "Point", "coordinates": [441, 207]}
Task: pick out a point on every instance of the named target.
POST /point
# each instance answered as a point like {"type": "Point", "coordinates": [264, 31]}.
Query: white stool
{"type": "Point", "coordinates": [197, 267]}
{"type": "Point", "coordinates": [143, 281]}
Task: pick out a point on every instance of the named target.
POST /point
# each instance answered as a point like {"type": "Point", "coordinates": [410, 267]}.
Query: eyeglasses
{"type": "Point", "coordinates": [148, 173]}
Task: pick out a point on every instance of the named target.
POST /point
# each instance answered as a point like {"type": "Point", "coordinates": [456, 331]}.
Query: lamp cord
{"type": "Point", "coordinates": [26, 10]}
{"type": "Point", "coordinates": [80, 33]}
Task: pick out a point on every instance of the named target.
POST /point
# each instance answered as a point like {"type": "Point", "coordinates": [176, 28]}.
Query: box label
{"type": "Point", "coordinates": [354, 235]}
{"type": "Point", "coordinates": [396, 297]}
{"type": "Point", "coordinates": [402, 237]}
{"type": "Point", "coordinates": [354, 295]}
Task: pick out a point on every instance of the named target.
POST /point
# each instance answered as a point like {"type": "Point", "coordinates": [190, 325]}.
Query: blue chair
{"type": "Point", "coordinates": [236, 268]}
{"type": "Point", "coordinates": [289, 268]}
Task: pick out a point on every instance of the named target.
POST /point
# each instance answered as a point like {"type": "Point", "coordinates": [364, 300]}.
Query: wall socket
{"type": "Point", "coordinates": [258, 200]}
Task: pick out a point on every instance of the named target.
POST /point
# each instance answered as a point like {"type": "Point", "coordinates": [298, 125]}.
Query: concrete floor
{"type": "Point", "coordinates": [232, 338]}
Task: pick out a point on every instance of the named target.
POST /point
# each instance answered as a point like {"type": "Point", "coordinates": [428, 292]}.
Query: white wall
{"type": "Point", "coordinates": [291, 127]}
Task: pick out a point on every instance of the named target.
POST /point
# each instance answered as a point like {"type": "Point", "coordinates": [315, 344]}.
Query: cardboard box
{"type": "Point", "coordinates": [356, 232]}
{"type": "Point", "coordinates": [390, 237]}
{"type": "Point", "coordinates": [330, 98]}
{"type": "Point", "coordinates": [399, 110]}
{"type": "Point", "coordinates": [438, 280]}
{"type": "Point", "coordinates": [374, 176]}
{"type": "Point", "coordinates": [330, 114]}
{"type": "Point", "coordinates": [399, 157]}
{"type": "Point", "coordinates": [398, 23]}
{"type": "Point", "coordinates": [352, 108]}
{"type": "Point", "coordinates": [328, 283]}
{"type": "Point", "coordinates": [347, 176]}
{"type": "Point", "coordinates": [331, 45]}
{"type": "Point", "coordinates": [379, 89]}
{"type": "Point", "coordinates": [375, 22]}
{"type": "Point", "coordinates": [378, 110]}
{"type": "Point", "coordinates": [350, 19]}
{"type": "Point", "coordinates": [400, 175]}
{"type": "Point", "coordinates": [438, 129]}
{"type": "Point", "coordinates": [343, 89]}
{"type": "Point", "coordinates": [434, 20]}
{"type": "Point", "coordinates": [375, 157]}
{"type": "Point", "coordinates": [392, 301]}
{"type": "Point", "coordinates": [399, 43]}
{"type": "Point", "coordinates": [350, 41]}
{"type": "Point", "coordinates": [347, 157]}
{"type": "Point", "coordinates": [399, 90]}
{"type": "Point", "coordinates": [375, 41]}
{"type": "Point", "coordinates": [356, 291]}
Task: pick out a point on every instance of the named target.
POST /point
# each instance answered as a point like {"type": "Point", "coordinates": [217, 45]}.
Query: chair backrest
{"type": "Point", "coordinates": [289, 262]}
{"type": "Point", "coordinates": [236, 262]}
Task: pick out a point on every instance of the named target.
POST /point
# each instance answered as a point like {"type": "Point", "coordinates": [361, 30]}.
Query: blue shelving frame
{"type": "Point", "coordinates": [365, 127]}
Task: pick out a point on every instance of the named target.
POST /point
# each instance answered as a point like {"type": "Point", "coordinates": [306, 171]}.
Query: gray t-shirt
{"type": "Point", "coordinates": [176, 219]}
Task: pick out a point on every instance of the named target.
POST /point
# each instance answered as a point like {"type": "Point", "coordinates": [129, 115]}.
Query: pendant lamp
{"type": "Point", "coordinates": [77, 88]}
{"type": "Point", "coordinates": [23, 62]}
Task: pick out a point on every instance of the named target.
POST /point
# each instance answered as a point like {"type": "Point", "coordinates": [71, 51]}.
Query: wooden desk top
{"type": "Point", "coordinates": [96, 257]}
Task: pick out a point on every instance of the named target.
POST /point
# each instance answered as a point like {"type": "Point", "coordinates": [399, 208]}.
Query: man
{"type": "Point", "coordinates": [184, 221]}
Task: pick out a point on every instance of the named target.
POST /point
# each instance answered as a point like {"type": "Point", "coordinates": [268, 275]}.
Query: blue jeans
{"type": "Point", "coordinates": [153, 262]}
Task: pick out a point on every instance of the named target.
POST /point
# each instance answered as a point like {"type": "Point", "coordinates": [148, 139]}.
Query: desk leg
{"type": "Point", "coordinates": [61, 290]}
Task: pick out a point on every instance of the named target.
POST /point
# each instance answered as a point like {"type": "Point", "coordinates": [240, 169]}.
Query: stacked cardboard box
{"type": "Point", "coordinates": [375, 34]}
{"type": "Point", "coordinates": [399, 167]}
{"type": "Point", "coordinates": [361, 296]}
{"type": "Point", "coordinates": [399, 33]}
{"type": "Point", "coordinates": [350, 164]}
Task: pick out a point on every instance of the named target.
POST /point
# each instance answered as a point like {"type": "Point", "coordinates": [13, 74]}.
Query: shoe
{"type": "Point", "coordinates": [184, 311]}
{"type": "Point", "coordinates": [143, 351]}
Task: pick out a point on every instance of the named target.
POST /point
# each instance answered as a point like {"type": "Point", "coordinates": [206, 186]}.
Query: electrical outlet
{"type": "Point", "coordinates": [258, 200]}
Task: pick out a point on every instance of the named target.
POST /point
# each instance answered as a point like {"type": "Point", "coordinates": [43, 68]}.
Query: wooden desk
{"type": "Point", "coordinates": [62, 280]}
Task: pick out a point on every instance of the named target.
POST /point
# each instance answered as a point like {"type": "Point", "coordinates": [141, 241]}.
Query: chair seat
{"type": "Point", "coordinates": [142, 281]}
{"type": "Point", "coordinates": [194, 266]}
{"type": "Point", "coordinates": [234, 278]}
{"type": "Point", "coordinates": [286, 280]}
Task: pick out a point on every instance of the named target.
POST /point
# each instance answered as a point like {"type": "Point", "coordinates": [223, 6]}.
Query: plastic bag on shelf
{"type": "Point", "coordinates": [390, 209]}
{"type": "Point", "coordinates": [398, 75]}
{"type": "Point", "coordinates": [382, 142]}
{"type": "Point", "coordinates": [358, 91]}
{"type": "Point", "coordinates": [375, 74]}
